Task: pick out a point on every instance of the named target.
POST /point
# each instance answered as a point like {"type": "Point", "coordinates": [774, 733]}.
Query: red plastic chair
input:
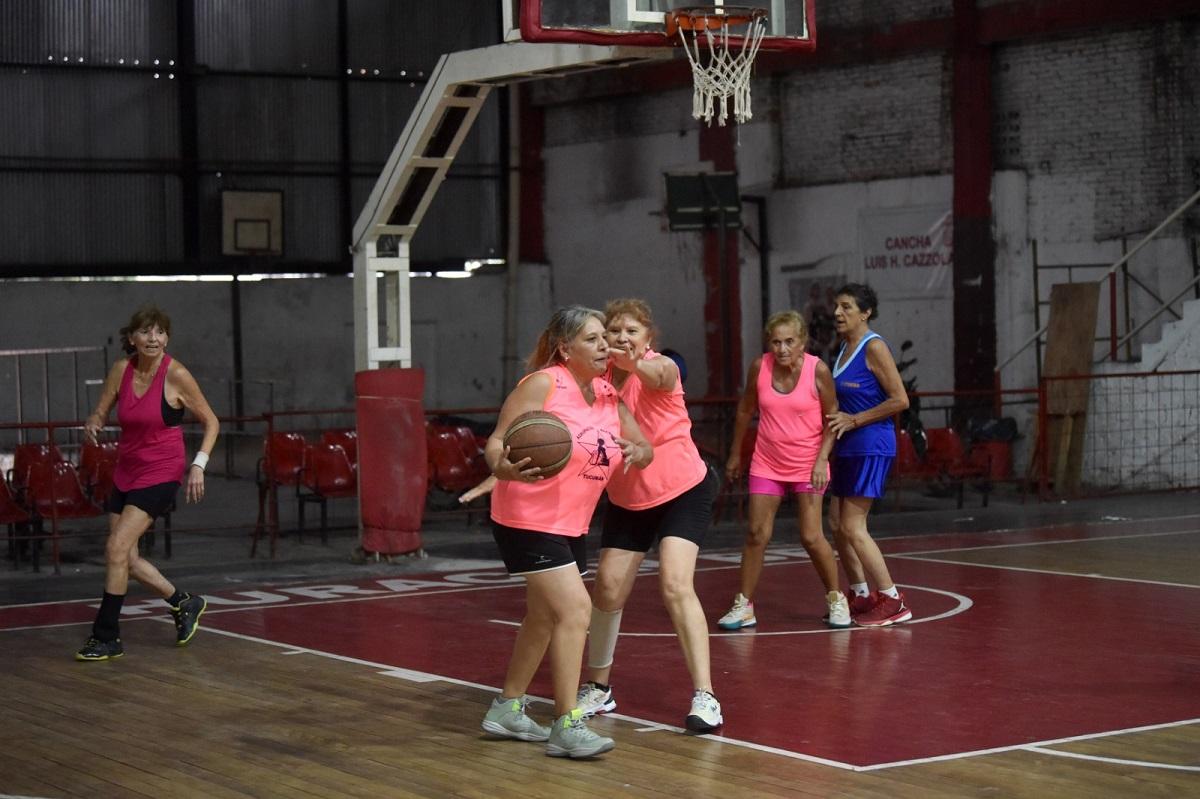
{"type": "Point", "coordinates": [14, 517]}
{"type": "Point", "coordinates": [449, 469]}
{"type": "Point", "coordinates": [327, 474]}
{"type": "Point", "coordinates": [54, 491]}
{"type": "Point", "coordinates": [283, 458]}
{"type": "Point", "coordinates": [280, 465]}
{"type": "Point", "coordinates": [24, 458]}
{"type": "Point", "coordinates": [949, 457]}
{"type": "Point", "coordinates": [96, 464]}
{"type": "Point", "coordinates": [468, 442]}
{"type": "Point", "coordinates": [908, 464]}
{"type": "Point", "coordinates": [347, 440]}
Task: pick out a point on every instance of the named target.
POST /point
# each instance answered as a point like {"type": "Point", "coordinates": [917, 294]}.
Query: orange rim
{"type": "Point", "coordinates": [698, 18]}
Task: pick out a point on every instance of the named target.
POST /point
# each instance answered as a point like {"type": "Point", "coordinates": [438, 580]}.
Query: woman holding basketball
{"type": "Point", "coordinates": [869, 393]}
{"type": "Point", "coordinates": [539, 523]}
{"type": "Point", "coordinates": [668, 504]}
{"type": "Point", "coordinates": [791, 391]}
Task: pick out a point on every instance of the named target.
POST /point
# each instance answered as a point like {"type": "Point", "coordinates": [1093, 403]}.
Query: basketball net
{"type": "Point", "coordinates": [721, 57]}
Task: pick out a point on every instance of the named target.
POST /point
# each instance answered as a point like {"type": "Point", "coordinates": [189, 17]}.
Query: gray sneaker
{"type": "Point", "coordinates": [592, 699]}
{"type": "Point", "coordinates": [507, 719]}
{"type": "Point", "coordinates": [705, 715]}
{"type": "Point", "coordinates": [570, 737]}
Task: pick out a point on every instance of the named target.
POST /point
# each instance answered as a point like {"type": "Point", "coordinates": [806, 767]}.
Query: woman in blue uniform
{"type": "Point", "coordinates": [869, 393]}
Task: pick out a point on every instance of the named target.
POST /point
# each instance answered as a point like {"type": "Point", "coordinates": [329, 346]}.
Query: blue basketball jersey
{"type": "Point", "coordinates": [858, 391]}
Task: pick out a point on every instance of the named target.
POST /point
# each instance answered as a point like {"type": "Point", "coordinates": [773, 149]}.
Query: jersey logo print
{"type": "Point", "coordinates": [599, 451]}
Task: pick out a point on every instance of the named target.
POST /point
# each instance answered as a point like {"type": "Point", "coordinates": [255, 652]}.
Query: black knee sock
{"type": "Point", "coordinates": [176, 598]}
{"type": "Point", "coordinates": [107, 626]}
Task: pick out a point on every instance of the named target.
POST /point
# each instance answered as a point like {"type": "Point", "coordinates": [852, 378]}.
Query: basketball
{"type": "Point", "coordinates": [542, 437]}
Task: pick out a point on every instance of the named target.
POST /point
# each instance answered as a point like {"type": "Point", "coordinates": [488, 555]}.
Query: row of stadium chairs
{"type": "Point", "coordinates": [43, 484]}
{"type": "Point", "coordinates": [327, 469]}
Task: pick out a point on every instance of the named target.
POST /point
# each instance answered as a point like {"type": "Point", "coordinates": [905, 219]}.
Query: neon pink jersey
{"type": "Point", "coordinates": [563, 504]}
{"type": "Point", "coordinates": [677, 465]}
{"type": "Point", "coordinates": [789, 425]}
{"type": "Point", "coordinates": [149, 451]}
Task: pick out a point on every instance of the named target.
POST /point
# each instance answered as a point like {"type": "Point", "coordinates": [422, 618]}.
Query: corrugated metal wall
{"type": "Point", "coordinates": [94, 153]}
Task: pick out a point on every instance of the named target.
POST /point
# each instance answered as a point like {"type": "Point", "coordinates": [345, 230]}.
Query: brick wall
{"type": "Point", "coordinates": [1103, 123]}
{"type": "Point", "coordinates": [872, 13]}
{"type": "Point", "coordinates": [866, 122]}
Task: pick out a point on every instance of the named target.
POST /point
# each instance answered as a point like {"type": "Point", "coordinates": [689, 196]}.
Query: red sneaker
{"type": "Point", "coordinates": [861, 604]}
{"type": "Point", "coordinates": [886, 611]}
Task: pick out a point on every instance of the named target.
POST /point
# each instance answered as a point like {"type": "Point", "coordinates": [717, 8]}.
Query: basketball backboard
{"type": "Point", "coordinates": [641, 23]}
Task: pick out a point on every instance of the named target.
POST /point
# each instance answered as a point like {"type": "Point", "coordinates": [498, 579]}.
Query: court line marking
{"type": "Point", "coordinates": [919, 555]}
{"type": "Point", "coordinates": [419, 676]}
{"type": "Point", "coordinates": [1114, 760]}
{"type": "Point", "coordinates": [1087, 575]}
{"type": "Point", "coordinates": [1059, 541]}
{"type": "Point", "coordinates": [989, 531]}
{"type": "Point", "coordinates": [963, 604]}
{"type": "Point", "coordinates": [428, 677]}
{"type": "Point", "coordinates": [1018, 747]}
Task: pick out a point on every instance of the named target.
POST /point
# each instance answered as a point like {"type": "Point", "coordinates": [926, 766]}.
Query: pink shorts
{"type": "Point", "coordinates": [780, 488]}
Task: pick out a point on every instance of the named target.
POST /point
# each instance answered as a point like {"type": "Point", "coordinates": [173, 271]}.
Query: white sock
{"type": "Point", "coordinates": [860, 589]}
{"type": "Point", "coordinates": [892, 592]}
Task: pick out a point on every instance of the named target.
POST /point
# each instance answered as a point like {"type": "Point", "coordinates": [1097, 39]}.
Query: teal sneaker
{"type": "Point", "coordinates": [570, 737]}
{"type": "Point", "coordinates": [507, 719]}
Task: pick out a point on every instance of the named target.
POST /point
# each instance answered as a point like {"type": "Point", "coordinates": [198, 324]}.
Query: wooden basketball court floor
{"type": "Point", "coordinates": [1061, 660]}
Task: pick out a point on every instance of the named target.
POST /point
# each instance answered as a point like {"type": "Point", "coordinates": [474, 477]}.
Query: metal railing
{"type": "Point", "coordinates": [1110, 275]}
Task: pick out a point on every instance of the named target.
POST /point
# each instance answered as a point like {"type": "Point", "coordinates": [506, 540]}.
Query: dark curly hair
{"type": "Point", "coordinates": [864, 298]}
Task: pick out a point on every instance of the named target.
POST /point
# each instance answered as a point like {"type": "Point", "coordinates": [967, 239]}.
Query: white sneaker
{"type": "Point", "coordinates": [592, 699]}
{"type": "Point", "coordinates": [739, 616]}
{"type": "Point", "coordinates": [706, 713]}
{"type": "Point", "coordinates": [839, 610]}
{"type": "Point", "coordinates": [570, 737]}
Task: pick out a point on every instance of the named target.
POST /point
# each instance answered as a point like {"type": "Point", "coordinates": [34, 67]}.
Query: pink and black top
{"type": "Point", "coordinates": [151, 449]}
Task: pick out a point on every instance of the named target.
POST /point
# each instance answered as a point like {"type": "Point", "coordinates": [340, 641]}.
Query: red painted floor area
{"type": "Point", "coordinates": [1034, 657]}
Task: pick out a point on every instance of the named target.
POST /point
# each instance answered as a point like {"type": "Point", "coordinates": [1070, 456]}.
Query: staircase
{"type": "Point", "coordinates": [1179, 347]}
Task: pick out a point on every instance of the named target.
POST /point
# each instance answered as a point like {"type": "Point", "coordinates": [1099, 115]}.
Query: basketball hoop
{"type": "Point", "coordinates": [732, 35]}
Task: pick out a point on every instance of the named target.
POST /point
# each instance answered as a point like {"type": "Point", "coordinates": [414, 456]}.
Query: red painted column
{"type": "Point", "coordinates": [722, 289]}
{"type": "Point", "coordinates": [974, 248]}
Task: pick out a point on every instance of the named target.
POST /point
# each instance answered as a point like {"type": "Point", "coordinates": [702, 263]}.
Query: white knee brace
{"type": "Point", "coordinates": [602, 638]}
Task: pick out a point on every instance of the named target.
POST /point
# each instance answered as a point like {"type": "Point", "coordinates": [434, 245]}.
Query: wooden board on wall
{"type": "Point", "coordinates": [1070, 340]}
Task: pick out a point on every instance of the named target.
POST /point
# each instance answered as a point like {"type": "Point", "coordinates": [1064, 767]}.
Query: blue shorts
{"type": "Point", "coordinates": [859, 475]}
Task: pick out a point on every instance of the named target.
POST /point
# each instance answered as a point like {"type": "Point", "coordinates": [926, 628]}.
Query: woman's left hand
{"type": "Point", "coordinates": [633, 454]}
{"type": "Point", "coordinates": [820, 474]}
{"type": "Point", "coordinates": [841, 422]}
{"type": "Point", "coordinates": [195, 484]}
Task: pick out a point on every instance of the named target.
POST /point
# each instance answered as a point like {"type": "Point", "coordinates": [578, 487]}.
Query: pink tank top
{"type": "Point", "coordinates": [564, 504]}
{"type": "Point", "coordinates": [677, 465]}
{"type": "Point", "coordinates": [149, 452]}
{"type": "Point", "coordinates": [789, 425]}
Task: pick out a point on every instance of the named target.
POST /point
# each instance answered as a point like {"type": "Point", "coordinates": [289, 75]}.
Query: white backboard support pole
{"type": "Point", "coordinates": [420, 159]}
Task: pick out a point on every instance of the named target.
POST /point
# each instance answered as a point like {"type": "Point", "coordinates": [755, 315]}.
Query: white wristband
{"type": "Point", "coordinates": [200, 460]}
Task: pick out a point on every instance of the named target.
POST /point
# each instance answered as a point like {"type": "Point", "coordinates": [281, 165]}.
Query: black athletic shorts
{"type": "Point", "coordinates": [155, 500]}
{"type": "Point", "coordinates": [688, 516]}
{"type": "Point", "coordinates": [530, 551]}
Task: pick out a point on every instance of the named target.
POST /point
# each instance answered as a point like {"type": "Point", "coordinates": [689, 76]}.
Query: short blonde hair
{"type": "Point", "coordinates": [788, 317]}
